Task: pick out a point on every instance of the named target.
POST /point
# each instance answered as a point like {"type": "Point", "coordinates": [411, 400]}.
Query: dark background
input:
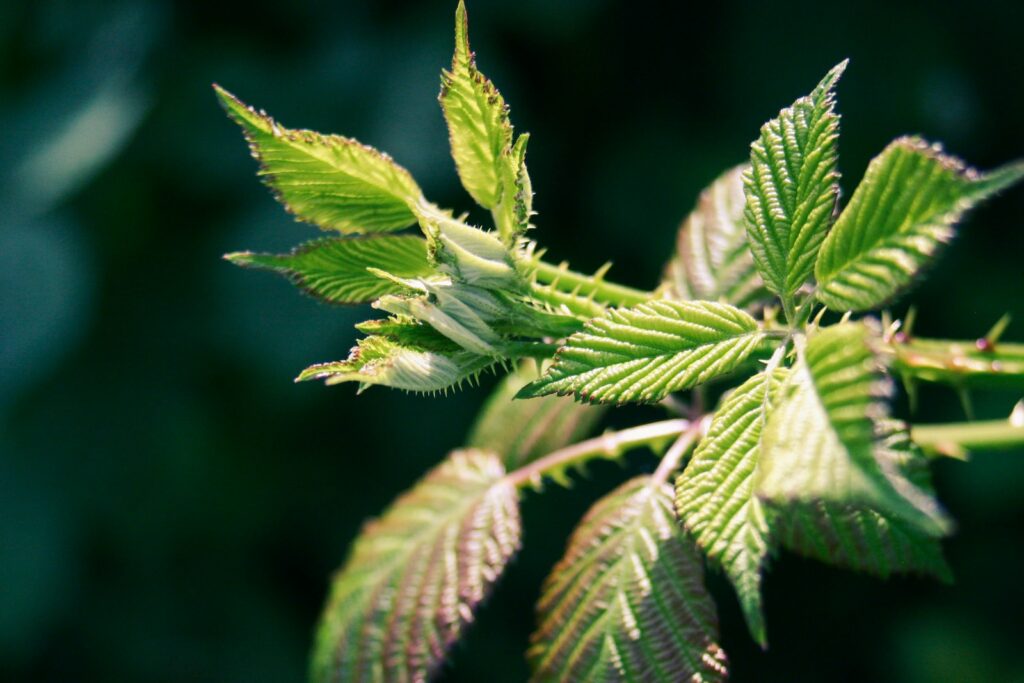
{"type": "Point", "coordinates": [171, 505]}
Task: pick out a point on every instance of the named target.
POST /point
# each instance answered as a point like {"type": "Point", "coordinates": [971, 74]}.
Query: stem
{"type": "Point", "coordinates": [681, 446]}
{"type": "Point", "coordinates": [965, 364]}
{"type": "Point", "coordinates": [588, 286]}
{"type": "Point", "coordinates": [608, 445]}
{"type": "Point", "coordinates": [540, 350]}
{"type": "Point", "coordinates": [952, 440]}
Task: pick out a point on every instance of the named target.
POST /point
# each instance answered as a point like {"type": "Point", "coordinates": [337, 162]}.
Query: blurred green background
{"type": "Point", "coordinates": [171, 505]}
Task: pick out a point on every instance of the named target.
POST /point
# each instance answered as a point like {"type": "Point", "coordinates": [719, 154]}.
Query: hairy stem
{"type": "Point", "coordinates": [670, 462]}
{"type": "Point", "coordinates": [608, 445]}
{"type": "Point", "coordinates": [964, 364]}
{"type": "Point", "coordinates": [953, 440]}
{"type": "Point", "coordinates": [588, 286]}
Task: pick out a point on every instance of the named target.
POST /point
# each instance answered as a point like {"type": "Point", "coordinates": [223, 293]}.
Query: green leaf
{"type": "Point", "coordinates": [330, 181]}
{"type": "Point", "coordinates": [715, 495]}
{"type": "Point", "coordinates": [477, 117]}
{"type": "Point", "coordinates": [336, 269]}
{"type": "Point", "coordinates": [821, 438]}
{"type": "Point", "coordinates": [416, 575]}
{"type": "Point", "coordinates": [380, 361]}
{"type": "Point", "coordinates": [647, 352]}
{"type": "Point", "coordinates": [712, 260]}
{"type": "Point", "coordinates": [863, 539]}
{"type": "Point", "coordinates": [515, 207]}
{"type": "Point", "coordinates": [410, 333]}
{"type": "Point", "coordinates": [792, 187]}
{"type": "Point", "coordinates": [627, 601]}
{"type": "Point", "coordinates": [523, 431]}
{"type": "Point", "coordinates": [904, 209]}
{"type": "Point", "coordinates": [468, 254]}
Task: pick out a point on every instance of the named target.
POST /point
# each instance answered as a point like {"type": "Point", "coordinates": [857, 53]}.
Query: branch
{"type": "Point", "coordinates": [955, 440]}
{"type": "Point", "coordinates": [964, 364]}
{"type": "Point", "coordinates": [608, 445]}
{"type": "Point", "coordinates": [588, 286]}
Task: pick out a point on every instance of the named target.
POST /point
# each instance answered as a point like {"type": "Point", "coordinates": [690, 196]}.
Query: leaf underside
{"type": "Point", "coordinates": [715, 495]}
{"type": "Point", "coordinates": [416, 575]}
{"type": "Point", "coordinates": [713, 261]}
{"type": "Point", "coordinates": [523, 431]}
{"type": "Point", "coordinates": [330, 181]}
{"type": "Point", "coordinates": [792, 187]}
{"type": "Point", "coordinates": [380, 361]}
{"type": "Point", "coordinates": [335, 269]}
{"type": "Point", "coordinates": [627, 601]}
{"type": "Point", "coordinates": [904, 209]}
{"type": "Point", "coordinates": [644, 353]}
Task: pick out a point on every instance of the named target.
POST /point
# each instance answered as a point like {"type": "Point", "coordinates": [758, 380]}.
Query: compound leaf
{"type": "Point", "coordinates": [792, 187]}
{"type": "Point", "coordinates": [380, 361]}
{"type": "Point", "coordinates": [415, 576]}
{"type": "Point", "coordinates": [330, 181]}
{"type": "Point", "coordinates": [523, 431]}
{"type": "Point", "coordinates": [477, 117]}
{"type": "Point", "coordinates": [335, 269]}
{"type": "Point", "coordinates": [864, 539]}
{"type": "Point", "coordinates": [712, 259]}
{"type": "Point", "coordinates": [627, 600]}
{"type": "Point", "coordinates": [645, 353]}
{"type": "Point", "coordinates": [820, 442]}
{"type": "Point", "coordinates": [904, 209]}
{"type": "Point", "coordinates": [715, 495]}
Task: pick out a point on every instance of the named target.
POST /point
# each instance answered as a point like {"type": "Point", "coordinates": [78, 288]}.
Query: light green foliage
{"type": "Point", "coordinates": [378, 360]}
{"type": "Point", "coordinates": [645, 353]}
{"type": "Point", "coordinates": [792, 187]}
{"type": "Point", "coordinates": [627, 601]}
{"type": "Point", "coordinates": [327, 180]}
{"type": "Point", "coordinates": [522, 431]}
{"type": "Point", "coordinates": [715, 495]}
{"type": "Point", "coordinates": [336, 269]}
{"type": "Point", "coordinates": [712, 259]}
{"type": "Point", "coordinates": [903, 210]}
{"type": "Point", "coordinates": [801, 454]}
{"type": "Point", "coordinates": [416, 575]}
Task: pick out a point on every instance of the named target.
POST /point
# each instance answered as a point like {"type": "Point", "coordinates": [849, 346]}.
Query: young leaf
{"type": "Point", "coordinates": [715, 494]}
{"type": "Point", "coordinates": [515, 206]}
{"type": "Point", "coordinates": [477, 117]}
{"type": "Point", "coordinates": [335, 270]}
{"type": "Point", "coordinates": [468, 254]}
{"type": "Point", "coordinates": [792, 187]}
{"type": "Point", "coordinates": [627, 601]}
{"type": "Point", "coordinates": [820, 440]}
{"type": "Point", "coordinates": [378, 360]}
{"type": "Point", "coordinates": [416, 575]}
{"type": "Point", "coordinates": [903, 210]}
{"type": "Point", "coordinates": [330, 181]}
{"type": "Point", "coordinates": [713, 261]}
{"type": "Point", "coordinates": [863, 539]}
{"type": "Point", "coordinates": [523, 431]}
{"type": "Point", "coordinates": [647, 352]}
{"type": "Point", "coordinates": [409, 332]}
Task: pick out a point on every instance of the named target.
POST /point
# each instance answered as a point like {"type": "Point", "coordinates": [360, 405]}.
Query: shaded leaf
{"type": "Point", "coordinates": [477, 117]}
{"type": "Point", "coordinates": [627, 601]}
{"type": "Point", "coordinates": [378, 360]}
{"type": "Point", "coordinates": [330, 181]}
{"type": "Point", "coordinates": [645, 353]}
{"type": "Point", "coordinates": [415, 576]}
{"type": "Point", "coordinates": [792, 187]}
{"type": "Point", "coordinates": [336, 269]}
{"type": "Point", "coordinates": [712, 260]}
{"type": "Point", "coordinates": [523, 431]}
{"type": "Point", "coordinates": [903, 210]}
{"type": "Point", "coordinates": [715, 495]}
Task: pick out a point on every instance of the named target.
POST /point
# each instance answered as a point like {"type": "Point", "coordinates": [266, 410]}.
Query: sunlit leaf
{"type": "Point", "coordinates": [627, 601]}
{"type": "Point", "coordinates": [904, 209]}
{"type": "Point", "coordinates": [792, 187]}
{"type": "Point", "coordinates": [415, 576]}
{"type": "Point", "coordinates": [715, 495]}
{"type": "Point", "coordinates": [327, 180]}
{"type": "Point", "coordinates": [713, 261]}
{"type": "Point", "coordinates": [335, 269]}
{"type": "Point", "coordinates": [470, 255]}
{"type": "Point", "coordinates": [645, 353]}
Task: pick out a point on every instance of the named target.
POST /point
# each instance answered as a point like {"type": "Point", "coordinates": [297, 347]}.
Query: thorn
{"type": "Point", "coordinates": [965, 401]}
{"type": "Point", "coordinates": [908, 320]}
{"type": "Point", "coordinates": [1017, 414]}
{"type": "Point", "coordinates": [993, 335]}
{"type": "Point", "coordinates": [912, 394]}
